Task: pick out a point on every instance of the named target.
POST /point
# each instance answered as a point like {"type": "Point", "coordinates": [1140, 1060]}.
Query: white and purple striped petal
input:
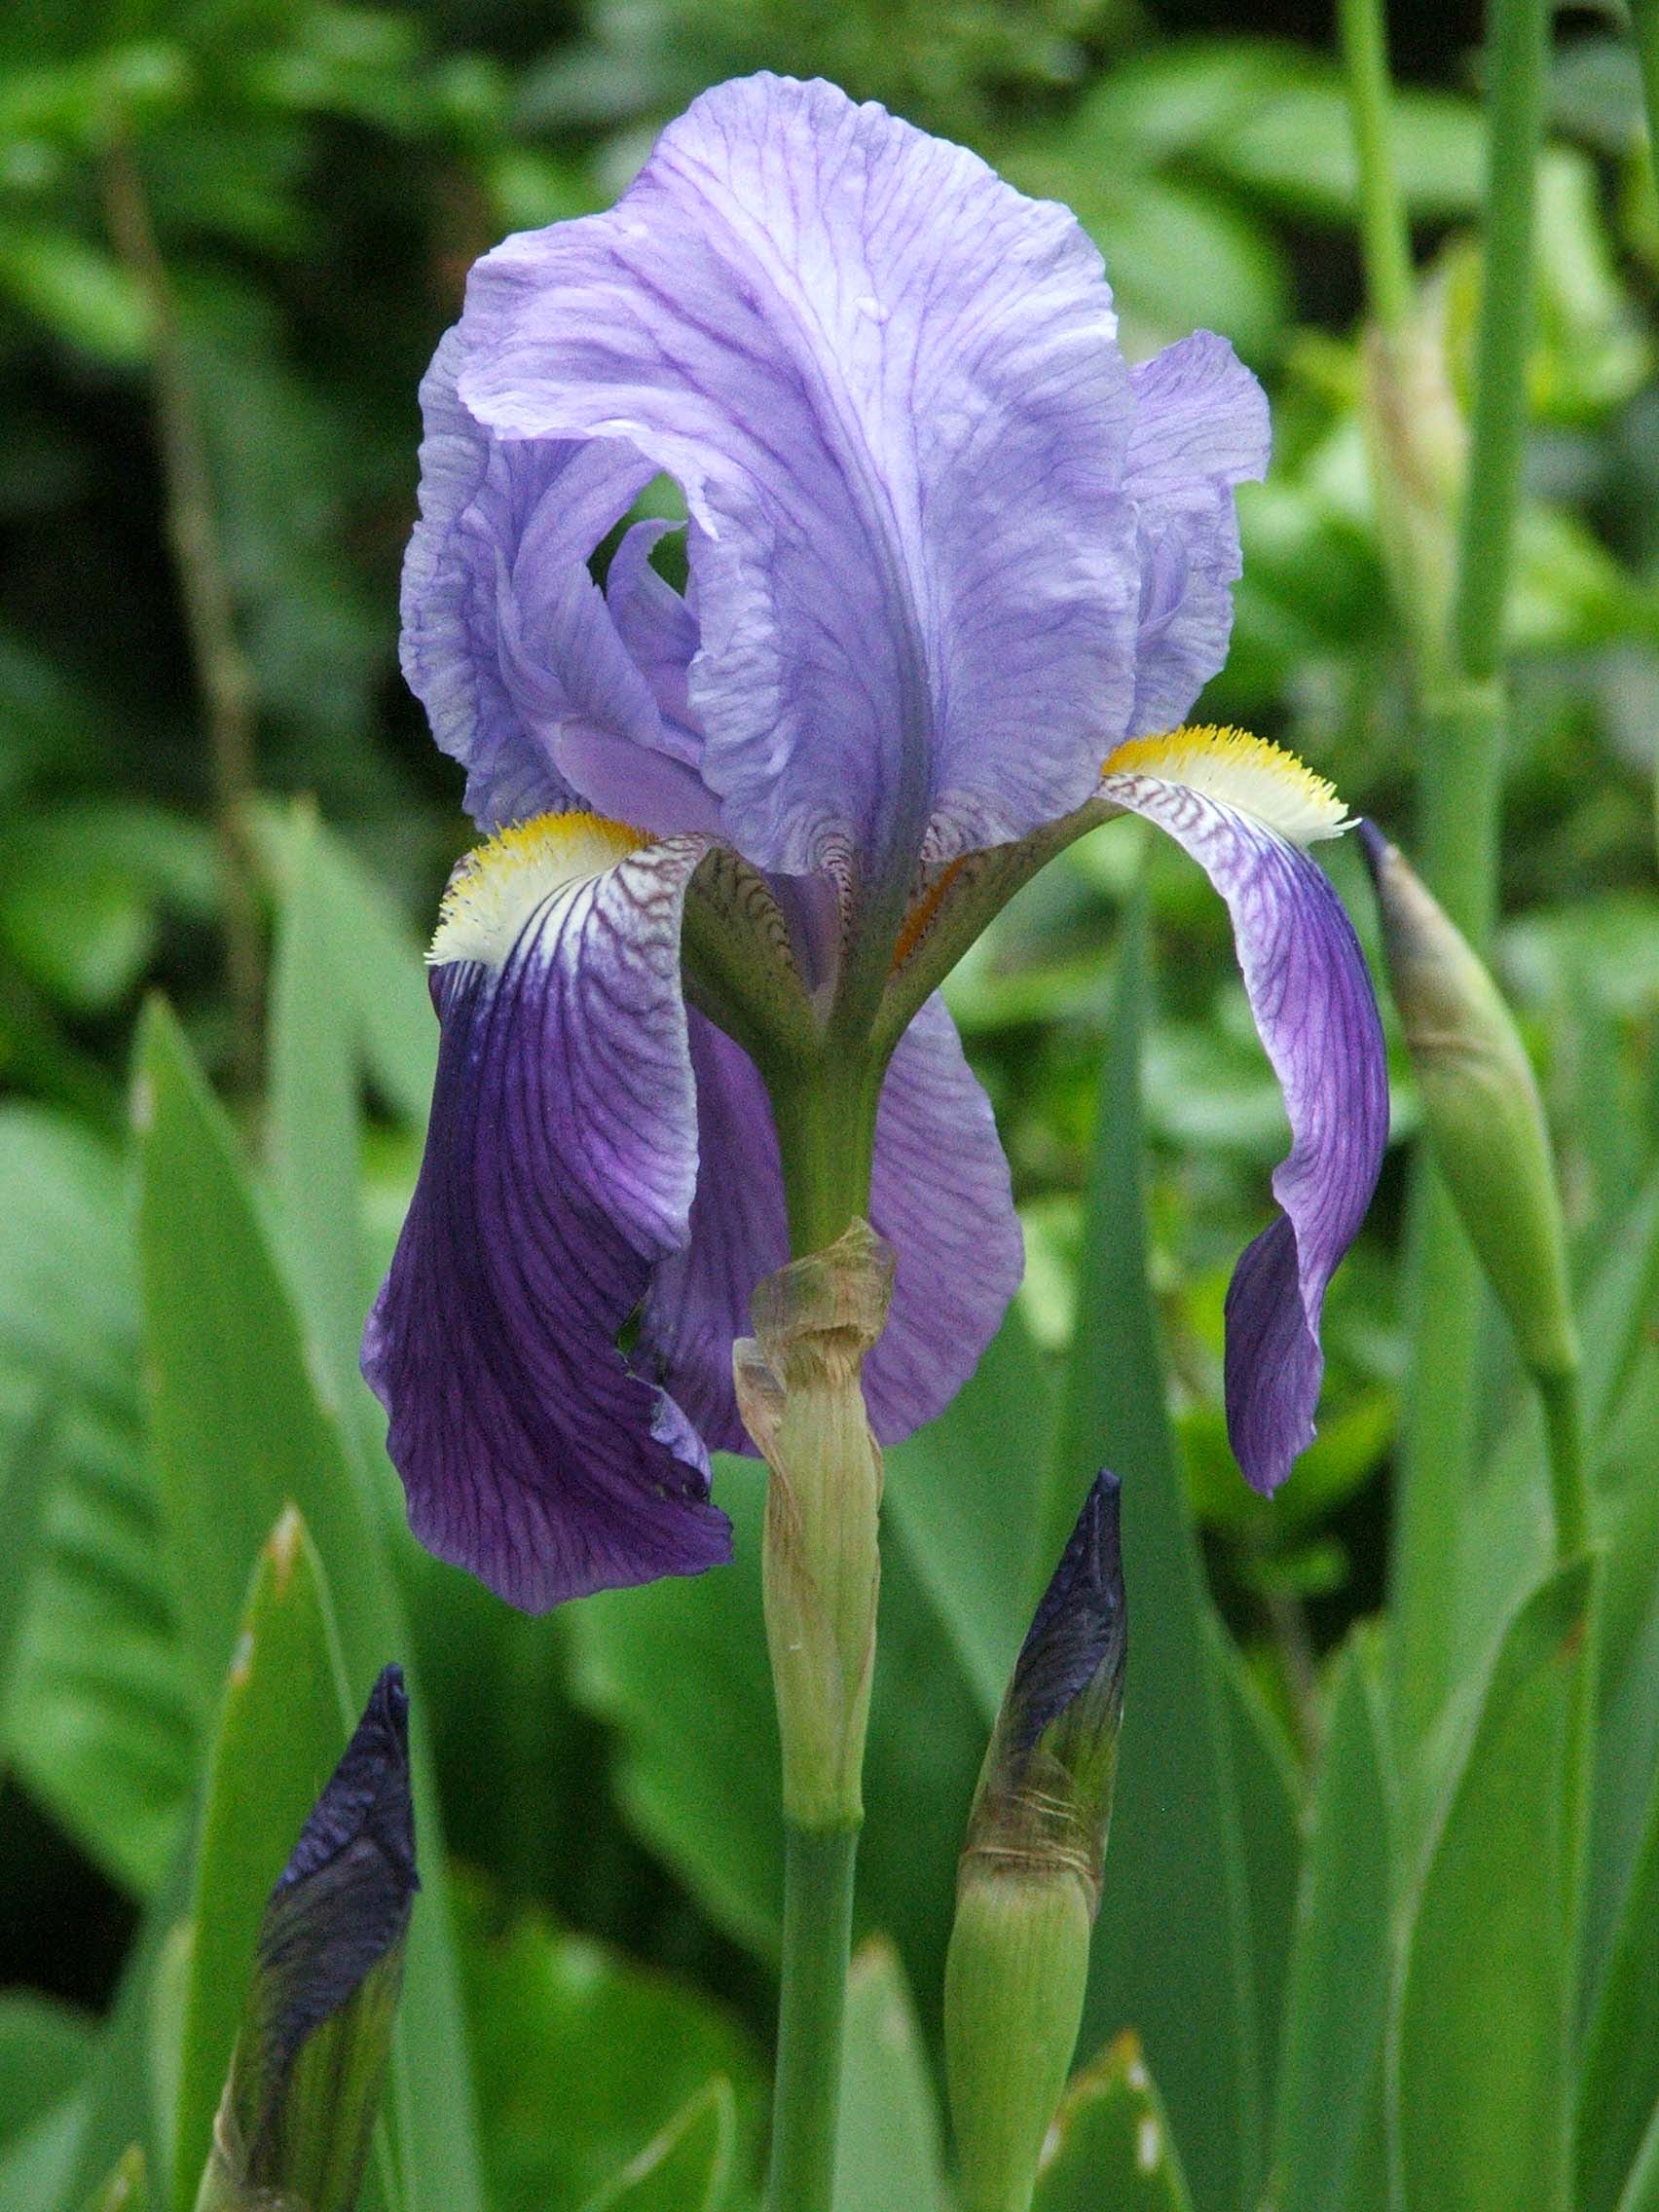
{"type": "Point", "coordinates": [559, 1165]}
{"type": "Point", "coordinates": [889, 387]}
{"type": "Point", "coordinates": [940, 1194]}
{"type": "Point", "coordinates": [1243, 811]}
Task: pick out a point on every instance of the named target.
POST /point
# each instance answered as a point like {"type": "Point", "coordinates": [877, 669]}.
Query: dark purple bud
{"type": "Point", "coordinates": [299, 2109]}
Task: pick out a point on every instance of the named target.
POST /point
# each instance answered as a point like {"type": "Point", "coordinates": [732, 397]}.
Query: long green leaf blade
{"type": "Point", "coordinates": [1339, 1976]}
{"type": "Point", "coordinates": [282, 1725]}
{"type": "Point", "coordinates": [239, 1432]}
{"type": "Point", "coordinates": [1175, 1864]}
{"type": "Point", "coordinates": [887, 2149]}
{"type": "Point", "coordinates": [1111, 2143]}
{"type": "Point", "coordinates": [1480, 2039]}
{"type": "Point", "coordinates": [687, 2168]}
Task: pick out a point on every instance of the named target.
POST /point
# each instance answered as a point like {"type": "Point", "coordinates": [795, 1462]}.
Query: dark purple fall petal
{"type": "Point", "coordinates": [1310, 994]}
{"type": "Point", "coordinates": [1079, 1632]}
{"type": "Point", "coordinates": [559, 1170]}
{"type": "Point", "coordinates": [939, 1196]}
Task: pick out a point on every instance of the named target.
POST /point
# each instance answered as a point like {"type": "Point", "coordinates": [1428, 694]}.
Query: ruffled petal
{"type": "Point", "coordinates": [888, 385]}
{"type": "Point", "coordinates": [1200, 429]}
{"type": "Point", "coordinates": [940, 1194]}
{"type": "Point", "coordinates": [508, 642]}
{"type": "Point", "coordinates": [559, 1165]}
{"type": "Point", "coordinates": [1312, 997]}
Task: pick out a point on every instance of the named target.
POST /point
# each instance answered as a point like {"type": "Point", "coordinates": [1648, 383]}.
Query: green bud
{"type": "Point", "coordinates": [1481, 1104]}
{"type": "Point", "coordinates": [802, 1398]}
{"type": "Point", "coordinates": [1029, 1881]}
{"type": "Point", "coordinates": [294, 2126]}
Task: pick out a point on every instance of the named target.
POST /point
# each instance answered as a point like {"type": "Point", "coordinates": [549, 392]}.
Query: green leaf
{"type": "Point", "coordinates": [1295, 149]}
{"type": "Point", "coordinates": [35, 2166]}
{"type": "Point", "coordinates": [100, 1716]}
{"type": "Point", "coordinates": [311, 1109]}
{"type": "Point", "coordinates": [25, 1476]}
{"type": "Point", "coordinates": [83, 888]}
{"type": "Point", "coordinates": [282, 1727]}
{"type": "Point", "coordinates": [1270, 1833]}
{"type": "Point", "coordinates": [1480, 2035]}
{"type": "Point", "coordinates": [232, 1388]}
{"type": "Point", "coordinates": [120, 2105]}
{"type": "Point", "coordinates": [1175, 1866]}
{"type": "Point", "coordinates": [45, 2051]}
{"type": "Point", "coordinates": [1338, 2000]}
{"type": "Point", "coordinates": [1618, 2089]}
{"type": "Point", "coordinates": [1626, 1741]}
{"type": "Point", "coordinates": [958, 1487]}
{"type": "Point", "coordinates": [687, 2168]}
{"type": "Point", "coordinates": [887, 2144]}
{"type": "Point", "coordinates": [679, 1668]}
{"type": "Point", "coordinates": [1505, 1546]}
{"type": "Point", "coordinates": [383, 978]}
{"type": "Point", "coordinates": [1641, 2190]}
{"type": "Point", "coordinates": [80, 292]}
{"type": "Point", "coordinates": [1111, 2143]}
{"type": "Point", "coordinates": [578, 2054]}
{"type": "Point", "coordinates": [127, 2187]}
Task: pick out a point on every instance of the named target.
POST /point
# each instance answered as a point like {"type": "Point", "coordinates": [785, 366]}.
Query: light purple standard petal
{"type": "Point", "coordinates": [939, 1196]}
{"type": "Point", "coordinates": [507, 639]}
{"type": "Point", "coordinates": [559, 1165]}
{"type": "Point", "coordinates": [888, 385]}
{"type": "Point", "coordinates": [1200, 429]}
{"type": "Point", "coordinates": [1312, 997]}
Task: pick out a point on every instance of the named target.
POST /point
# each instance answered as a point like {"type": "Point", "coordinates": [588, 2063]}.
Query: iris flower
{"type": "Point", "coordinates": [955, 571]}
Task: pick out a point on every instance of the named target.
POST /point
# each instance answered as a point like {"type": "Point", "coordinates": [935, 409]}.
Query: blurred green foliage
{"type": "Point", "coordinates": [318, 178]}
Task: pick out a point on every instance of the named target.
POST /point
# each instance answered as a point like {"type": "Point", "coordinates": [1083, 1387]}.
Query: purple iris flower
{"type": "Point", "coordinates": [951, 564]}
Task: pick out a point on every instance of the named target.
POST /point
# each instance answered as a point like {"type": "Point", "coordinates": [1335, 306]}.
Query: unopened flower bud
{"type": "Point", "coordinates": [800, 1392]}
{"type": "Point", "coordinates": [1481, 1104]}
{"type": "Point", "coordinates": [1029, 1882]}
{"type": "Point", "coordinates": [294, 2126]}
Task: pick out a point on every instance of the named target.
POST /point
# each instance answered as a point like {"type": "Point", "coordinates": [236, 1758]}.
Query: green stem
{"type": "Point", "coordinates": [1569, 1484]}
{"type": "Point", "coordinates": [826, 1121]}
{"type": "Point", "coordinates": [1385, 237]}
{"type": "Point", "coordinates": [818, 1925]}
{"type": "Point", "coordinates": [1644, 30]}
{"type": "Point", "coordinates": [1519, 45]}
{"type": "Point", "coordinates": [1461, 787]}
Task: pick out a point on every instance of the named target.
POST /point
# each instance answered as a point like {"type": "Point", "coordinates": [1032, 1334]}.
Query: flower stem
{"type": "Point", "coordinates": [1385, 240]}
{"type": "Point", "coordinates": [826, 1122]}
{"type": "Point", "coordinates": [805, 1407]}
{"type": "Point", "coordinates": [1569, 1487]}
{"type": "Point", "coordinates": [818, 1921]}
{"type": "Point", "coordinates": [1463, 709]}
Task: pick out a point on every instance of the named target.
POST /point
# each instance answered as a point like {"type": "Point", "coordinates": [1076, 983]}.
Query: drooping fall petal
{"type": "Point", "coordinates": [1245, 811]}
{"type": "Point", "coordinates": [560, 1166]}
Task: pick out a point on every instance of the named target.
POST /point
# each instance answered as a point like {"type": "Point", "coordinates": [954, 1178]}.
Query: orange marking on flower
{"type": "Point", "coordinates": [916, 921]}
